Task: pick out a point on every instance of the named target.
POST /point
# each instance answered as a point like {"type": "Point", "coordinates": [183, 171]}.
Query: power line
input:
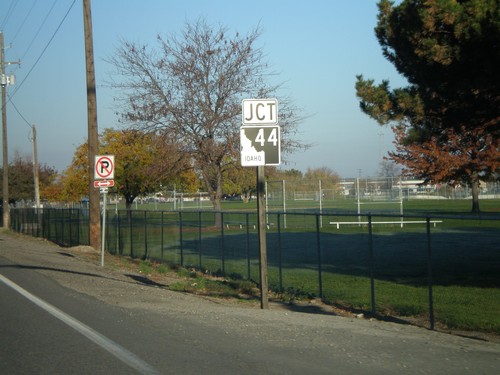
{"type": "Point", "coordinates": [17, 110]}
{"type": "Point", "coordinates": [12, 6]}
{"type": "Point", "coordinates": [42, 53]}
{"type": "Point", "coordinates": [24, 21]}
{"type": "Point", "coordinates": [39, 29]}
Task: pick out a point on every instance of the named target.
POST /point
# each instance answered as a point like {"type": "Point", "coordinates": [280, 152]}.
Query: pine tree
{"type": "Point", "coordinates": [446, 120]}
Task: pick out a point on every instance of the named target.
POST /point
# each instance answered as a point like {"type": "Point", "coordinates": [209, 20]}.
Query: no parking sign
{"type": "Point", "coordinates": [104, 167]}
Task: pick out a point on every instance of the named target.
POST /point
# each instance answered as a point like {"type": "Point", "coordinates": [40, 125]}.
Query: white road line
{"type": "Point", "coordinates": [118, 351]}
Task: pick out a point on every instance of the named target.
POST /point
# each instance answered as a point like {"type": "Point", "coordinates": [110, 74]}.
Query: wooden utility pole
{"type": "Point", "coordinates": [35, 171]}
{"type": "Point", "coordinates": [93, 141]}
{"type": "Point", "coordinates": [5, 81]}
{"type": "Point", "coordinates": [5, 154]}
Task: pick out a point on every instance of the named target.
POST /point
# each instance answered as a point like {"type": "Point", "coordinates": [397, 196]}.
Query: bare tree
{"type": "Point", "coordinates": [191, 85]}
{"type": "Point", "coordinates": [388, 168]}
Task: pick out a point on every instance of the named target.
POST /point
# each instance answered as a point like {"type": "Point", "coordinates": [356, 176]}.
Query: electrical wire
{"type": "Point", "coordinates": [39, 29]}
{"type": "Point", "coordinates": [12, 6]}
{"type": "Point", "coordinates": [24, 21]}
{"type": "Point", "coordinates": [17, 110]}
{"type": "Point", "coordinates": [43, 51]}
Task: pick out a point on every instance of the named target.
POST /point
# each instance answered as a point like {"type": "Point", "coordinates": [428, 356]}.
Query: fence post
{"type": "Point", "coordinates": [199, 240]}
{"type": "Point", "coordinates": [109, 233]}
{"type": "Point", "coordinates": [12, 217]}
{"type": "Point", "coordinates": [145, 235]}
{"type": "Point", "coordinates": [429, 273]}
{"type": "Point", "coordinates": [318, 243]}
{"type": "Point", "coordinates": [79, 226]}
{"type": "Point", "coordinates": [223, 254]}
{"type": "Point", "coordinates": [129, 211]}
{"type": "Point", "coordinates": [370, 260]}
{"type": "Point", "coordinates": [63, 227]}
{"type": "Point", "coordinates": [29, 220]}
{"type": "Point", "coordinates": [280, 264]}
{"type": "Point", "coordinates": [180, 239]}
{"type": "Point", "coordinates": [55, 220]}
{"type": "Point", "coordinates": [39, 216]}
{"type": "Point", "coordinates": [71, 224]}
{"type": "Point", "coordinates": [119, 233]}
{"type": "Point", "coordinates": [48, 223]}
{"type": "Point", "coordinates": [161, 223]}
{"type": "Point", "coordinates": [248, 245]}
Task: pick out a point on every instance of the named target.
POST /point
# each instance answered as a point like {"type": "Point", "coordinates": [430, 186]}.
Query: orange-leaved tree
{"type": "Point", "coordinates": [143, 162]}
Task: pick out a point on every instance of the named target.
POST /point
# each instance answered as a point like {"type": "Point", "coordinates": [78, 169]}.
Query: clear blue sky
{"type": "Point", "coordinates": [317, 46]}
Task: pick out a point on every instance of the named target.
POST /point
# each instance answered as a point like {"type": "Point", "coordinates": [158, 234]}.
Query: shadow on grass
{"type": "Point", "coordinates": [145, 281]}
{"type": "Point", "coordinates": [460, 257]}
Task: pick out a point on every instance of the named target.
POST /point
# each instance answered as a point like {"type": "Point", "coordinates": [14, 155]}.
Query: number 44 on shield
{"type": "Point", "coordinates": [273, 137]}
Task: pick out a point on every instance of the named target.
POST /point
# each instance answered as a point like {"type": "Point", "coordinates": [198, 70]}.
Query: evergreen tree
{"type": "Point", "coordinates": [446, 120]}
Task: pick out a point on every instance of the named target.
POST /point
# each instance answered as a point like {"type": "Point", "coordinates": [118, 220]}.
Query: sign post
{"type": "Point", "coordinates": [260, 146]}
{"type": "Point", "coordinates": [261, 219]}
{"type": "Point", "coordinates": [104, 192]}
{"type": "Point", "coordinates": [104, 171]}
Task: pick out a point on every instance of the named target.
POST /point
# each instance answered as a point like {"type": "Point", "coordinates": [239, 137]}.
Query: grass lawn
{"type": "Point", "coordinates": [464, 258]}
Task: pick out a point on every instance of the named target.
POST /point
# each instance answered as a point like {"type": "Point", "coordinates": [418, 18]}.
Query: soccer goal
{"type": "Point", "coordinates": [306, 196]}
{"type": "Point", "coordinates": [380, 194]}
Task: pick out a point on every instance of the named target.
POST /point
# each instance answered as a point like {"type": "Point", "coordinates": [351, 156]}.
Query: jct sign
{"type": "Point", "coordinates": [260, 112]}
{"type": "Point", "coordinates": [260, 133]}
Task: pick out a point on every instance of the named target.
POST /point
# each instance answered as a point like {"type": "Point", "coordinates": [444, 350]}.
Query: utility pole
{"type": "Point", "coordinates": [36, 176]}
{"type": "Point", "coordinates": [5, 191]}
{"type": "Point", "coordinates": [4, 82]}
{"type": "Point", "coordinates": [93, 140]}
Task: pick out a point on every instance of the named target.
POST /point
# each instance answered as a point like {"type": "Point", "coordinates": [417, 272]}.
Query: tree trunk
{"type": "Point", "coordinates": [217, 203]}
{"type": "Point", "coordinates": [475, 193]}
{"type": "Point", "coordinates": [245, 196]}
{"type": "Point", "coordinates": [128, 203]}
{"type": "Point", "coordinates": [213, 184]}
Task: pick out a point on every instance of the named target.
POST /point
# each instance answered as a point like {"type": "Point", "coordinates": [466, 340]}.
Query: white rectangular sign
{"type": "Point", "coordinates": [104, 167]}
{"type": "Point", "coordinates": [260, 111]}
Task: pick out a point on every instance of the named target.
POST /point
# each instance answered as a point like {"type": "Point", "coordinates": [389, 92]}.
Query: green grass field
{"type": "Point", "coordinates": [465, 258]}
{"type": "Point", "coordinates": [465, 253]}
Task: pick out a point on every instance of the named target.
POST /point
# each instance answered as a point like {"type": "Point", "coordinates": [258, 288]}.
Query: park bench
{"type": "Point", "coordinates": [401, 222]}
{"type": "Point", "coordinates": [242, 224]}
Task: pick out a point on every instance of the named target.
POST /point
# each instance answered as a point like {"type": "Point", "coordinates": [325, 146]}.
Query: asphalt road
{"type": "Point", "coordinates": [60, 314]}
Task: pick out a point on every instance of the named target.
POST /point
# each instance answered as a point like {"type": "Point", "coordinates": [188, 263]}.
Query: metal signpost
{"type": "Point", "coordinates": [260, 146]}
{"type": "Point", "coordinates": [104, 171]}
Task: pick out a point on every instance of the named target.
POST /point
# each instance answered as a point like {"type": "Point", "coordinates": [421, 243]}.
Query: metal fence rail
{"type": "Point", "coordinates": [416, 265]}
{"type": "Point", "coordinates": [66, 227]}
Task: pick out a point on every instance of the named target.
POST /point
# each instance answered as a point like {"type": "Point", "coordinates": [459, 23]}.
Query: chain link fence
{"type": "Point", "coordinates": [363, 195]}
{"type": "Point", "coordinates": [428, 269]}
